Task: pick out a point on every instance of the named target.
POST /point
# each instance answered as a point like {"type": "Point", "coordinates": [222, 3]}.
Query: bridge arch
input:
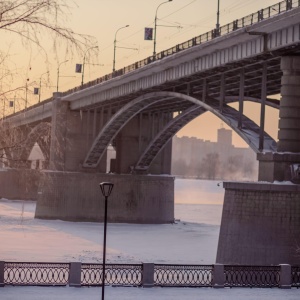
{"type": "Point", "coordinates": [39, 134]}
{"type": "Point", "coordinates": [176, 124]}
{"type": "Point", "coordinates": [228, 115]}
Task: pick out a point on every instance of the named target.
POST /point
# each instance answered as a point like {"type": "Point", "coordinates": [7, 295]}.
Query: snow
{"type": "Point", "coordinates": [128, 293]}
{"type": "Point", "coordinates": [32, 240]}
{"type": "Point", "coordinates": [192, 240]}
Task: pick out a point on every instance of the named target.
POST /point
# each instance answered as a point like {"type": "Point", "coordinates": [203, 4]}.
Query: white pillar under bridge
{"type": "Point", "coordinates": [284, 165]}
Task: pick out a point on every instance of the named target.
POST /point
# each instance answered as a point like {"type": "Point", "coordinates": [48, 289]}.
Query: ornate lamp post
{"type": "Point", "coordinates": [155, 25]}
{"type": "Point", "coordinates": [115, 46]}
{"type": "Point", "coordinates": [106, 188]}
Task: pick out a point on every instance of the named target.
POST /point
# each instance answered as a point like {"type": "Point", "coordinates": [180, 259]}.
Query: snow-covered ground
{"type": "Point", "coordinates": [119, 293]}
{"type": "Point", "coordinates": [192, 240]}
{"type": "Point", "coordinates": [33, 240]}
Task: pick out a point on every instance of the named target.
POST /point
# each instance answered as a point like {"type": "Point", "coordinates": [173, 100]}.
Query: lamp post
{"type": "Point", "coordinates": [115, 46]}
{"type": "Point", "coordinates": [155, 25]}
{"type": "Point", "coordinates": [94, 47]}
{"type": "Point", "coordinates": [218, 19]}
{"type": "Point", "coordinates": [41, 85]}
{"type": "Point", "coordinates": [106, 188]}
{"type": "Point", "coordinates": [58, 73]}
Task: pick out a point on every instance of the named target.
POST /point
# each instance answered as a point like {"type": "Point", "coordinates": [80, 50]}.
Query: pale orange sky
{"type": "Point", "coordinates": [102, 18]}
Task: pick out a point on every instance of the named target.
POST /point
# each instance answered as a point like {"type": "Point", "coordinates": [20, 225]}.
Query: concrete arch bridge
{"type": "Point", "coordinates": [139, 108]}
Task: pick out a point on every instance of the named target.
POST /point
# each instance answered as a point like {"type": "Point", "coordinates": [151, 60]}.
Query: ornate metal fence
{"type": "Point", "coordinates": [182, 275]}
{"type": "Point", "coordinates": [116, 274]}
{"type": "Point", "coordinates": [252, 276]}
{"type": "Point", "coordinates": [36, 273]}
{"type": "Point", "coordinates": [296, 276]}
{"type": "Point", "coordinates": [59, 274]}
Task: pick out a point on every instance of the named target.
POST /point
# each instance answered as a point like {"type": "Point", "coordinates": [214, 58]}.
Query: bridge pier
{"type": "Point", "coordinates": [261, 221]}
{"type": "Point", "coordinates": [283, 164]}
{"type": "Point", "coordinates": [76, 196]}
{"type": "Point", "coordinates": [70, 192]}
{"type": "Point", "coordinates": [71, 137]}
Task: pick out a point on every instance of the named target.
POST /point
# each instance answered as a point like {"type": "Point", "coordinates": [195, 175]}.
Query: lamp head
{"type": "Point", "coordinates": [106, 188]}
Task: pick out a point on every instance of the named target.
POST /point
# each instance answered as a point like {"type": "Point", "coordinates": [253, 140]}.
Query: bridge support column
{"type": "Point", "coordinates": [283, 165]}
{"type": "Point", "coordinates": [260, 221]}
{"type": "Point", "coordinates": [71, 137]}
{"type": "Point", "coordinates": [133, 140]}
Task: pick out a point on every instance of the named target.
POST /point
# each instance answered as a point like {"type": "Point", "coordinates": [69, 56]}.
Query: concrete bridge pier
{"type": "Point", "coordinates": [283, 165]}
{"type": "Point", "coordinates": [261, 221]}
{"type": "Point", "coordinates": [71, 137]}
{"type": "Point", "coordinates": [70, 192]}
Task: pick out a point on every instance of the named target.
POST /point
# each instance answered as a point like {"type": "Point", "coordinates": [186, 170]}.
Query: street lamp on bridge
{"type": "Point", "coordinates": [115, 46]}
{"type": "Point", "coordinates": [106, 188]}
{"type": "Point", "coordinates": [58, 73]}
{"type": "Point", "coordinates": [218, 19]}
{"type": "Point", "coordinates": [40, 88]}
{"type": "Point", "coordinates": [155, 25]}
{"type": "Point", "coordinates": [94, 47]}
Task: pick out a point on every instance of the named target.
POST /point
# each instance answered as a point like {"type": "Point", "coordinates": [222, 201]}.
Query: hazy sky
{"type": "Point", "coordinates": [178, 21]}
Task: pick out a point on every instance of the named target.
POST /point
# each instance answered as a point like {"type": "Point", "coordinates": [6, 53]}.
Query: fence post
{"type": "Point", "coordinates": [148, 274]}
{"type": "Point", "coordinates": [75, 274]}
{"type": "Point", "coordinates": [285, 276]}
{"type": "Point", "coordinates": [218, 276]}
{"type": "Point", "coordinates": [2, 273]}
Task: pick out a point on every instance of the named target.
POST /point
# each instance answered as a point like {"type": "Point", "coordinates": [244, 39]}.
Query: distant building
{"type": "Point", "coordinates": [213, 160]}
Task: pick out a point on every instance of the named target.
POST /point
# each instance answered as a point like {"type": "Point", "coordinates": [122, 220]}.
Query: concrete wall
{"type": "Point", "coordinates": [260, 224]}
{"type": "Point", "coordinates": [77, 197]}
{"type": "Point", "coordinates": [19, 184]}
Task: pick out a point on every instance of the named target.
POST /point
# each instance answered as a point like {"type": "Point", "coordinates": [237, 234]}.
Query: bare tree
{"type": "Point", "coordinates": [30, 21]}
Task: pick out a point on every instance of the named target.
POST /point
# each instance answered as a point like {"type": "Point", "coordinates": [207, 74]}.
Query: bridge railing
{"type": "Point", "coordinates": [171, 275]}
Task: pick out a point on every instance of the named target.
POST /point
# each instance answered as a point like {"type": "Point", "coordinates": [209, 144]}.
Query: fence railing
{"type": "Point", "coordinates": [21, 273]}
{"type": "Point", "coordinates": [91, 274]}
{"type": "Point", "coordinates": [183, 275]}
{"type": "Point", "coordinates": [296, 276]}
{"type": "Point", "coordinates": [252, 276]}
{"type": "Point", "coordinates": [163, 275]}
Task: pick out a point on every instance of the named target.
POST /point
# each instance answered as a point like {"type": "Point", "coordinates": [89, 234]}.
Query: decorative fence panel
{"type": "Point", "coordinates": [252, 276]}
{"type": "Point", "coordinates": [296, 276]}
{"type": "Point", "coordinates": [116, 274]}
{"type": "Point", "coordinates": [182, 275]}
{"type": "Point", "coordinates": [36, 273]}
